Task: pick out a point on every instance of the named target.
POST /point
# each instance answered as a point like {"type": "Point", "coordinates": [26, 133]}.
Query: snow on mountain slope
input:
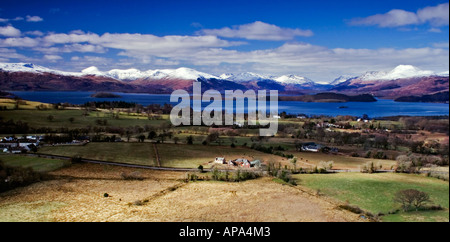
{"type": "Point", "coordinates": [293, 79]}
{"type": "Point", "coordinates": [445, 73]}
{"type": "Point", "coordinates": [244, 77]}
{"type": "Point", "coordinates": [29, 67]}
{"type": "Point", "coordinates": [134, 74]}
{"type": "Point", "coordinates": [340, 80]}
{"type": "Point", "coordinates": [399, 72]}
{"type": "Point", "coordinates": [182, 73]}
{"type": "Point", "coordinates": [128, 75]}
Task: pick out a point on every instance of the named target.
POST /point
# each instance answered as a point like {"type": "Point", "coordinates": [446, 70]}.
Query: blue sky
{"type": "Point", "coordinates": [317, 39]}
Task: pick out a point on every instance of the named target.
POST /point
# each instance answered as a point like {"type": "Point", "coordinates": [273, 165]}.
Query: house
{"type": "Point", "coordinates": [14, 150]}
{"type": "Point", "coordinates": [311, 147]}
{"type": "Point", "coordinates": [24, 143]}
{"type": "Point", "coordinates": [238, 124]}
{"type": "Point", "coordinates": [255, 163]}
{"type": "Point", "coordinates": [220, 160]}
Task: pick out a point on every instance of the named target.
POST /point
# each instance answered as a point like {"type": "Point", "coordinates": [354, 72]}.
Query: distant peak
{"type": "Point", "coordinates": [91, 70]}
{"type": "Point", "coordinates": [399, 72]}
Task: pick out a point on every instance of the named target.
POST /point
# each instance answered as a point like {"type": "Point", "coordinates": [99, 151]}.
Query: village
{"type": "Point", "coordinates": [23, 144]}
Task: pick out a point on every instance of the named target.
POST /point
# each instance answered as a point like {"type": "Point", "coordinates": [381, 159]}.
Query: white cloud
{"type": "Point", "coordinates": [258, 31]}
{"type": "Point", "coordinates": [10, 53]}
{"type": "Point", "coordinates": [35, 33]}
{"type": "Point", "coordinates": [393, 18]}
{"type": "Point", "coordinates": [141, 43]}
{"type": "Point", "coordinates": [208, 52]}
{"type": "Point", "coordinates": [444, 45]}
{"type": "Point", "coordinates": [321, 63]}
{"type": "Point", "coordinates": [34, 18]}
{"type": "Point", "coordinates": [19, 42]}
{"type": "Point", "coordinates": [434, 15]}
{"type": "Point", "coordinates": [52, 58]}
{"type": "Point", "coordinates": [435, 30]}
{"type": "Point", "coordinates": [9, 31]}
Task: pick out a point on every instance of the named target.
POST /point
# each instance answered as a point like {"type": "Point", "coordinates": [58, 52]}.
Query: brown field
{"type": "Point", "coordinates": [77, 194]}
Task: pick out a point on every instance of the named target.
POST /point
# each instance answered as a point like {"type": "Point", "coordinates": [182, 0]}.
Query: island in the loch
{"type": "Point", "coordinates": [329, 97]}
{"type": "Point", "coordinates": [441, 97]}
{"type": "Point", "coordinates": [105, 95]}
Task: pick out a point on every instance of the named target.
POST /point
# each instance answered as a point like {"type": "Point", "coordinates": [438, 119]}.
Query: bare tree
{"type": "Point", "coordinates": [411, 198]}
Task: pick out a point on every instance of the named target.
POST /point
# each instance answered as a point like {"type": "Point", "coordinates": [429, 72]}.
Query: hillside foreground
{"type": "Point", "coordinates": [78, 194]}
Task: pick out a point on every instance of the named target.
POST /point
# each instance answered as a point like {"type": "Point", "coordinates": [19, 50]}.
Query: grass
{"type": "Point", "coordinates": [36, 163]}
{"type": "Point", "coordinates": [26, 105]}
{"type": "Point", "coordinates": [374, 192]}
{"type": "Point", "coordinates": [171, 155]}
{"type": "Point", "coordinates": [191, 156]}
{"type": "Point", "coordinates": [38, 118]}
{"type": "Point", "coordinates": [130, 153]}
{"type": "Point", "coordinates": [340, 161]}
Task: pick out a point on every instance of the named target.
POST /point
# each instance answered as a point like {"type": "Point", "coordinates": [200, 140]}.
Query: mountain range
{"type": "Point", "coordinates": [403, 80]}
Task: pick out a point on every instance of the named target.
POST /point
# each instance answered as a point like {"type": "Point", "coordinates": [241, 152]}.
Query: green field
{"type": "Point", "coordinates": [171, 155]}
{"type": "Point", "coordinates": [340, 161]}
{"type": "Point", "coordinates": [130, 153]}
{"type": "Point", "coordinates": [38, 164]}
{"type": "Point", "coordinates": [374, 192]}
{"type": "Point", "coordinates": [39, 118]}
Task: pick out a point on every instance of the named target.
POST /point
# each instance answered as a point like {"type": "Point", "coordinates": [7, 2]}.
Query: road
{"type": "Point", "coordinates": [117, 164]}
{"type": "Point", "coordinates": [179, 169]}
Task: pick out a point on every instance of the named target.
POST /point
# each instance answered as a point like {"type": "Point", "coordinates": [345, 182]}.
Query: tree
{"type": "Point", "coordinates": [212, 137]}
{"type": "Point", "coordinates": [294, 162]}
{"type": "Point", "coordinates": [175, 139]}
{"type": "Point", "coordinates": [141, 138]}
{"type": "Point", "coordinates": [71, 119]}
{"type": "Point", "coordinates": [50, 118]}
{"type": "Point", "coordinates": [190, 140]}
{"type": "Point", "coordinates": [411, 197]}
{"type": "Point", "coordinates": [152, 135]}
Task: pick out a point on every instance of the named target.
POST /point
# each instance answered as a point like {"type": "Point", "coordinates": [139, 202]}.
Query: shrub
{"type": "Point", "coordinates": [132, 176]}
{"type": "Point", "coordinates": [369, 167]}
{"type": "Point", "coordinates": [200, 168]}
{"type": "Point", "coordinates": [355, 154]}
{"type": "Point", "coordinates": [76, 159]}
{"type": "Point", "coordinates": [326, 165]}
{"type": "Point", "coordinates": [12, 177]}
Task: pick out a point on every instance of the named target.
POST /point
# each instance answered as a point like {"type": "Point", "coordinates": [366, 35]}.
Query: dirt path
{"type": "Point", "coordinates": [158, 160]}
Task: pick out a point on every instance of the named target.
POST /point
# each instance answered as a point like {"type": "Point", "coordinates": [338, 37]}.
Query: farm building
{"type": "Point", "coordinates": [220, 160]}
{"type": "Point", "coordinates": [311, 147]}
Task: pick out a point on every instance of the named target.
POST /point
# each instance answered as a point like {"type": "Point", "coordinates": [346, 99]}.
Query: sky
{"type": "Point", "coordinates": [321, 39]}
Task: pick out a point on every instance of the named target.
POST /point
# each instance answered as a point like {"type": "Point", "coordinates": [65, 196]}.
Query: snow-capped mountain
{"type": "Point", "coordinates": [340, 80]}
{"type": "Point", "coordinates": [399, 72]}
{"type": "Point", "coordinates": [134, 74]}
{"type": "Point", "coordinates": [123, 75]}
{"type": "Point", "coordinates": [293, 79]}
{"type": "Point", "coordinates": [403, 79]}
{"type": "Point", "coordinates": [244, 77]}
{"type": "Point", "coordinates": [29, 67]}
